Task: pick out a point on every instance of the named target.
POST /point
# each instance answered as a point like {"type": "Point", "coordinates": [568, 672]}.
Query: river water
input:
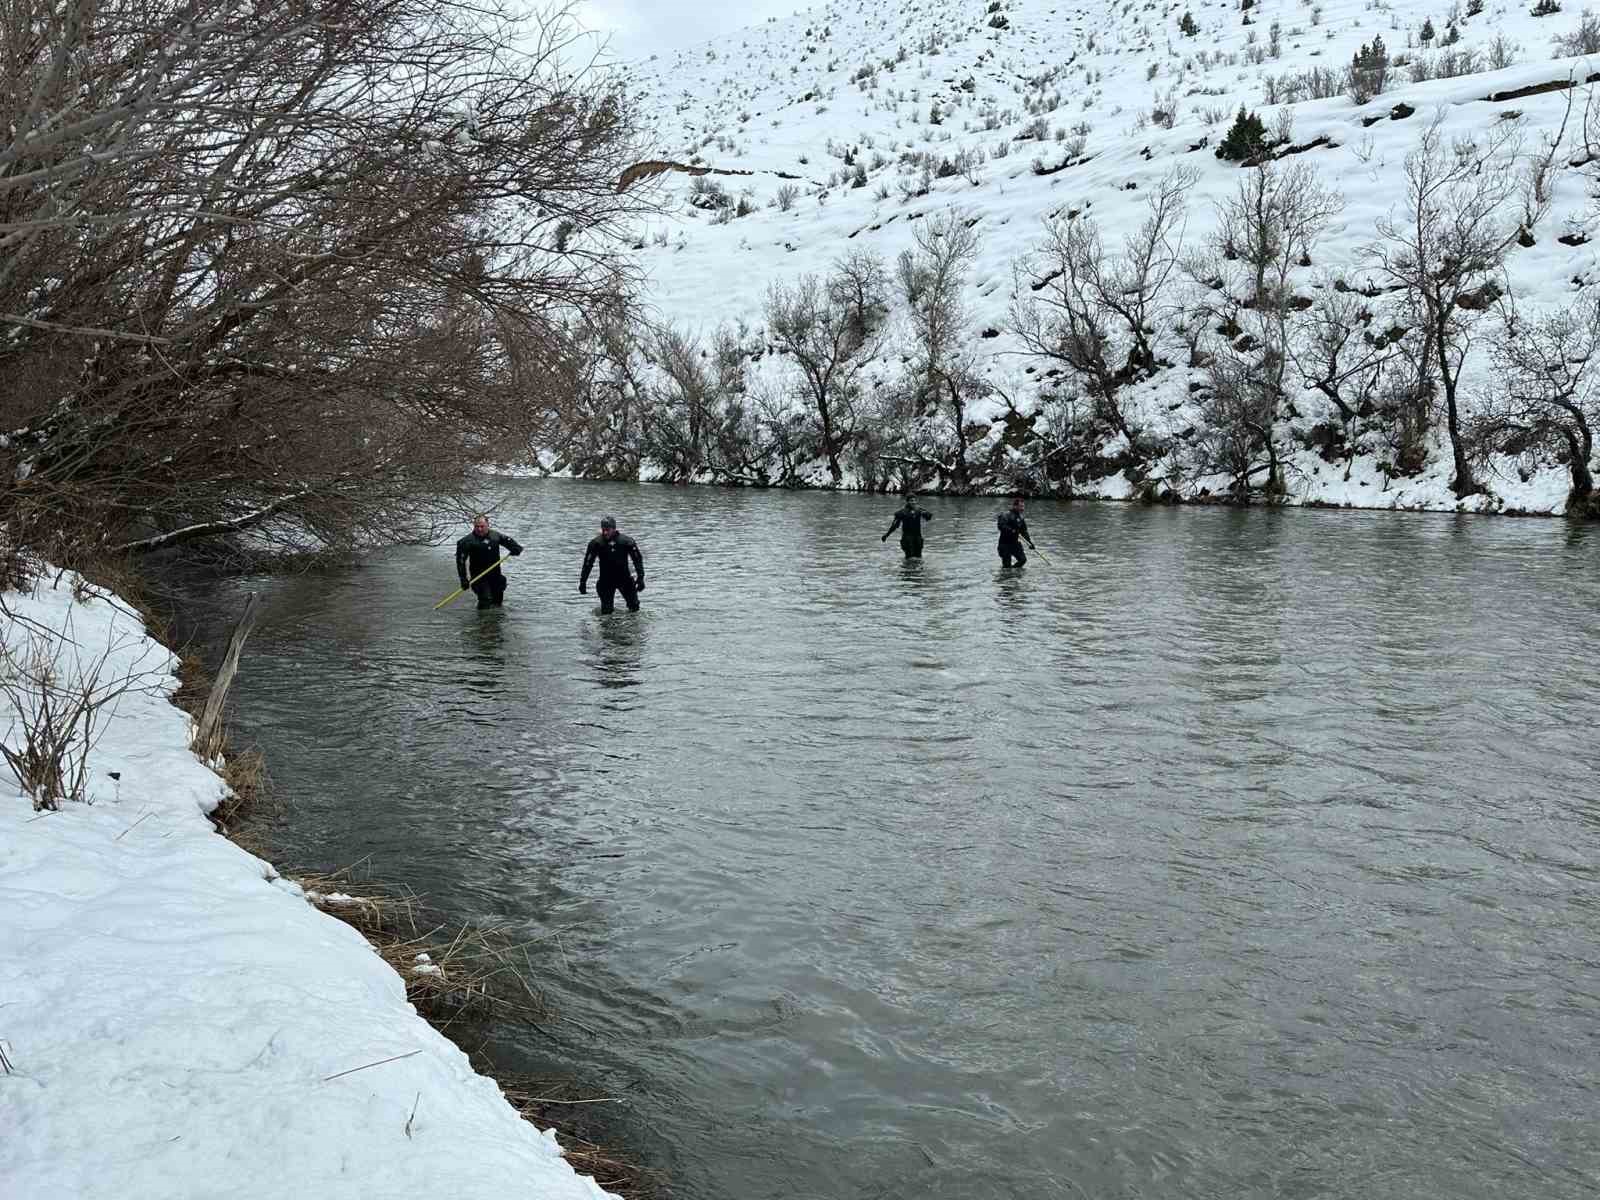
{"type": "Point", "coordinates": [1227, 854]}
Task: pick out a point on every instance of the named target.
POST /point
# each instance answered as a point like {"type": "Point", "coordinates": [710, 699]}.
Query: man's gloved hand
{"type": "Point", "coordinates": [464, 583]}
{"type": "Point", "coordinates": [514, 553]}
{"type": "Point", "coordinates": [639, 587]}
{"type": "Point", "coordinates": [884, 538]}
{"type": "Point", "coordinates": [583, 589]}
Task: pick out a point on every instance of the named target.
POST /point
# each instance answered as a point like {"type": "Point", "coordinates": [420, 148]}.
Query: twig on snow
{"type": "Point", "coordinates": [379, 1063]}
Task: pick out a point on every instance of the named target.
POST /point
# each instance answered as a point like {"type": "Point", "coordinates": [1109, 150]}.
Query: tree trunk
{"type": "Point", "coordinates": [958, 413]}
{"type": "Point", "coordinates": [828, 447]}
{"type": "Point", "coordinates": [208, 734]}
{"type": "Point", "coordinates": [1578, 451]}
{"type": "Point", "coordinates": [1463, 484]}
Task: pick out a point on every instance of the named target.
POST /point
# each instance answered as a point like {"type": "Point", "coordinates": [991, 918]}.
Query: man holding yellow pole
{"type": "Point", "coordinates": [480, 551]}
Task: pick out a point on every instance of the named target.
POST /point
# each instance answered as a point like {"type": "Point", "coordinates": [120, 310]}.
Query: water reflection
{"type": "Point", "coordinates": [616, 643]}
{"type": "Point", "coordinates": [1010, 589]}
{"type": "Point", "coordinates": [483, 642]}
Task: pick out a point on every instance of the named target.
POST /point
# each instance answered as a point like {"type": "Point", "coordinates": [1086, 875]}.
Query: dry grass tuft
{"type": "Point", "coordinates": [470, 972]}
{"type": "Point", "coordinates": [194, 683]}
{"type": "Point", "coordinates": [476, 973]}
{"type": "Point", "coordinates": [249, 785]}
{"type": "Point", "coordinates": [548, 1105]}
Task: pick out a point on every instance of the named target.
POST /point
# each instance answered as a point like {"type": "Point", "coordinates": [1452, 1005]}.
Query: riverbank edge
{"type": "Point", "coordinates": [363, 907]}
{"type": "Point", "coordinates": [1544, 494]}
{"type": "Point", "coordinates": [384, 915]}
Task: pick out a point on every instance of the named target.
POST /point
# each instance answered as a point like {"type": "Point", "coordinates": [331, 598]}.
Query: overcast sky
{"type": "Point", "coordinates": [640, 28]}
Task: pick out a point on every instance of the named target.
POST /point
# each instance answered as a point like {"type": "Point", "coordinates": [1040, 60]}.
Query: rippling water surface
{"type": "Point", "coordinates": [1229, 855]}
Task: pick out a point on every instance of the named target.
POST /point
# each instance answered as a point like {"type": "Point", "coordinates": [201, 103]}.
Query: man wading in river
{"type": "Point", "coordinates": [909, 522]}
{"type": "Point", "coordinates": [1013, 532]}
{"type": "Point", "coordinates": [476, 552]}
{"type": "Point", "coordinates": [612, 550]}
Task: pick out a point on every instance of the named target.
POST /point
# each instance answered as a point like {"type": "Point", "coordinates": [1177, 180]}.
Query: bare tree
{"type": "Point", "coordinates": [830, 352]}
{"type": "Point", "coordinates": [1444, 249]}
{"type": "Point", "coordinates": [1095, 314]}
{"type": "Point", "coordinates": [943, 371]}
{"type": "Point", "coordinates": [1265, 230]}
{"type": "Point", "coordinates": [291, 269]}
{"type": "Point", "coordinates": [1547, 401]}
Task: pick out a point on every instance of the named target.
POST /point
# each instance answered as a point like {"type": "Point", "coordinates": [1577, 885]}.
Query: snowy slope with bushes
{"type": "Point", "coordinates": [1266, 351]}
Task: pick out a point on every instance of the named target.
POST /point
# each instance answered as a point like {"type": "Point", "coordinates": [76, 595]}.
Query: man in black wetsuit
{"type": "Point", "coordinates": [1013, 532]}
{"type": "Point", "coordinates": [909, 522]}
{"type": "Point", "coordinates": [476, 552]}
{"type": "Point", "coordinates": [612, 550]}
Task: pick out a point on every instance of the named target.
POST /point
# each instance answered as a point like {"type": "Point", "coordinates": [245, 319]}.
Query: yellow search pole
{"type": "Point", "coordinates": [470, 582]}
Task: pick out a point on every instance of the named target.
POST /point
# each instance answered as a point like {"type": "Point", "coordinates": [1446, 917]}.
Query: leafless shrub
{"type": "Point", "coordinates": [969, 162]}
{"type": "Point", "coordinates": [1454, 62]}
{"type": "Point", "coordinates": [58, 703]}
{"type": "Point", "coordinates": [1585, 39]}
{"type": "Point", "coordinates": [1501, 52]}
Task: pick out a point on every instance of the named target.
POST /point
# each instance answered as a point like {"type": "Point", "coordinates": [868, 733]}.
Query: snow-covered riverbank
{"type": "Point", "coordinates": [1359, 483]}
{"type": "Point", "coordinates": [177, 1021]}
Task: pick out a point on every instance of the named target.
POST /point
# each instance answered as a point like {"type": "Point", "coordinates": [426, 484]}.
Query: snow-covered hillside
{"type": "Point", "coordinates": [852, 122]}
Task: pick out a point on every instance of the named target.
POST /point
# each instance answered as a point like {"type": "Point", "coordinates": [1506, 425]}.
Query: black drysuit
{"type": "Point", "coordinates": [909, 522]}
{"type": "Point", "coordinates": [1013, 528]}
{"type": "Point", "coordinates": [474, 554]}
{"type": "Point", "coordinates": [613, 553]}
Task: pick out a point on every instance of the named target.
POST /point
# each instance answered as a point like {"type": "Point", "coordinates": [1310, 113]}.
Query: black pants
{"type": "Point", "coordinates": [1010, 550]}
{"type": "Point", "coordinates": [607, 590]}
{"type": "Point", "coordinates": [912, 547]}
{"type": "Point", "coordinates": [490, 590]}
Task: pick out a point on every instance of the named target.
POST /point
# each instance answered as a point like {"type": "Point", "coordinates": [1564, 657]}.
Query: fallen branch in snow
{"type": "Point", "coordinates": [370, 1065]}
{"type": "Point", "coordinates": [130, 828]}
